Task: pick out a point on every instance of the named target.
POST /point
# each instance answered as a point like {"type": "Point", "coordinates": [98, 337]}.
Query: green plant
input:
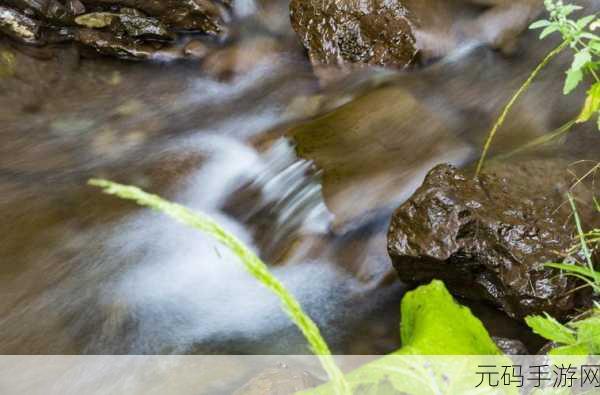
{"type": "Point", "coordinates": [433, 323]}
{"type": "Point", "coordinates": [251, 262]}
{"type": "Point", "coordinates": [587, 242]}
{"type": "Point", "coordinates": [581, 337]}
{"type": "Point", "coordinates": [578, 35]}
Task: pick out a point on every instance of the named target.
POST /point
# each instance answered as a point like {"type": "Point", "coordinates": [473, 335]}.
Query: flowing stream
{"type": "Point", "coordinates": [81, 272]}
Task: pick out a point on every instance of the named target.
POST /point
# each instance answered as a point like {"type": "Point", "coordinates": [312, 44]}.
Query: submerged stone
{"type": "Point", "coordinates": [489, 238]}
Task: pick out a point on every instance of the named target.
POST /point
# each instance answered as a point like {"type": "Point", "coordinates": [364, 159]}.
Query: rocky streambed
{"type": "Point", "coordinates": [336, 138]}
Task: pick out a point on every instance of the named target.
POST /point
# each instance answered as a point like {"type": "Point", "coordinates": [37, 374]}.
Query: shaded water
{"type": "Point", "coordinates": [308, 177]}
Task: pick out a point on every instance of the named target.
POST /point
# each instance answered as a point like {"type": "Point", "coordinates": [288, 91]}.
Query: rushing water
{"type": "Point", "coordinates": [84, 273]}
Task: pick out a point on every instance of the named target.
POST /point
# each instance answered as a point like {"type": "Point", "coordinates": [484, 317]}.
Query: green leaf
{"type": "Point", "coordinates": [550, 329]}
{"type": "Point", "coordinates": [547, 31]}
{"type": "Point", "coordinates": [590, 36]}
{"type": "Point", "coordinates": [592, 104]}
{"type": "Point", "coordinates": [539, 24]}
{"type": "Point", "coordinates": [573, 79]}
{"type": "Point", "coordinates": [588, 333]}
{"type": "Point", "coordinates": [581, 59]}
{"type": "Point", "coordinates": [569, 9]}
{"type": "Point", "coordinates": [576, 349]}
{"type": "Point", "coordinates": [586, 20]}
{"type": "Point", "coordinates": [433, 323]}
{"type": "Point", "coordinates": [594, 45]}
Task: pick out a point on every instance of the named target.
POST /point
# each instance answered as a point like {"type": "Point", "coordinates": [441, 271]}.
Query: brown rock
{"type": "Point", "coordinates": [346, 34]}
{"type": "Point", "coordinates": [342, 33]}
{"type": "Point", "coordinates": [207, 16]}
{"type": "Point", "coordinates": [242, 57]}
{"type": "Point", "coordinates": [490, 238]}
{"type": "Point", "coordinates": [370, 153]}
{"type": "Point", "coordinates": [19, 26]}
{"type": "Point", "coordinates": [511, 346]}
{"type": "Point", "coordinates": [128, 29]}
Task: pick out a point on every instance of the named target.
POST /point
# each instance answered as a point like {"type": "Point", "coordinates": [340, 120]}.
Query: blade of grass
{"type": "Point", "coordinates": [584, 247]}
{"type": "Point", "coordinates": [513, 100]}
{"type": "Point", "coordinates": [257, 268]}
{"type": "Point", "coordinates": [540, 140]}
{"type": "Point", "coordinates": [583, 273]}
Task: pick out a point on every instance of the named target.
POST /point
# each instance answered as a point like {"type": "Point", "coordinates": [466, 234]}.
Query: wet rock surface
{"type": "Point", "coordinates": [511, 346]}
{"type": "Point", "coordinates": [489, 238]}
{"type": "Point", "coordinates": [342, 33]}
{"type": "Point", "coordinates": [379, 140]}
{"type": "Point", "coordinates": [129, 29]}
{"type": "Point", "coordinates": [401, 33]}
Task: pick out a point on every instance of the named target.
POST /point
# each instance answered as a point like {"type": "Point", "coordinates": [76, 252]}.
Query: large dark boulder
{"type": "Point", "coordinates": [489, 238]}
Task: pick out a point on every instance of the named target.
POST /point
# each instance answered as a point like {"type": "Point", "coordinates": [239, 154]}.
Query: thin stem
{"type": "Point", "coordinates": [584, 246]}
{"type": "Point", "coordinates": [513, 100]}
{"type": "Point", "coordinates": [542, 139]}
{"type": "Point", "coordinates": [257, 268]}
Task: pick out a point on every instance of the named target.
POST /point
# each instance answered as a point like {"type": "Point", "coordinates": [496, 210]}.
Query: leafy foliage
{"type": "Point", "coordinates": [255, 266]}
{"type": "Point", "coordinates": [587, 243]}
{"type": "Point", "coordinates": [581, 337]}
{"type": "Point", "coordinates": [550, 329]}
{"type": "Point", "coordinates": [433, 323]}
{"type": "Point", "coordinates": [580, 36]}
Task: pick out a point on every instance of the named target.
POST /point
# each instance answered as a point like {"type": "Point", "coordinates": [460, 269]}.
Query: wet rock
{"type": "Point", "coordinates": [206, 16]}
{"type": "Point", "coordinates": [489, 239]}
{"type": "Point", "coordinates": [399, 33]}
{"type": "Point", "coordinates": [107, 44]}
{"type": "Point", "coordinates": [19, 26]}
{"type": "Point", "coordinates": [278, 381]}
{"type": "Point", "coordinates": [75, 7]}
{"type": "Point", "coordinates": [196, 49]}
{"type": "Point", "coordinates": [510, 346]}
{"type": "Point", "coordinates": [379, 129]}
{"type": "Point", "coordinates": [131, 25]}
{"type": "Point", "coordinates": [242, 57]}
{"type": "Point", "coordinates": [342, 33]}
{"type": "Point", "coordinates": [127, 29]}
{"type": "Point", "coordinates": [51, 10]}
